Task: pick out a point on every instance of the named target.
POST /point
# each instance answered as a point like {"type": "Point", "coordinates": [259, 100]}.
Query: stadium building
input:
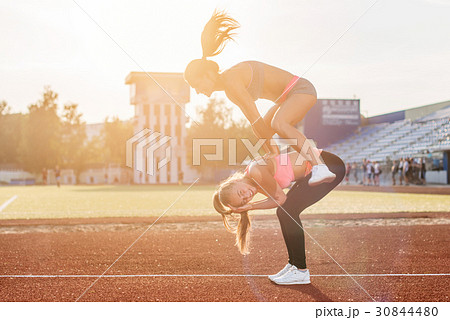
{"type": "Point", "coordinates": [162, 111]}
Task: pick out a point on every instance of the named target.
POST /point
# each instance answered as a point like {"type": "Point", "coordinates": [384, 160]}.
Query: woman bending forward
{"type": "Point", "coordinates": [234, 195]}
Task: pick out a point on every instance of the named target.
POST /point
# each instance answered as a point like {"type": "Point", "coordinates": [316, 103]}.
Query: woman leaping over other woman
{"type": "Point", "coordinates": [251, 80]}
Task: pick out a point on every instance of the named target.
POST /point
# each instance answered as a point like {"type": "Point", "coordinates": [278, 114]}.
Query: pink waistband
{"type": "Point", "coordinates": [288, 88]}
{"type": "Point", "coordinates": [284, 173]}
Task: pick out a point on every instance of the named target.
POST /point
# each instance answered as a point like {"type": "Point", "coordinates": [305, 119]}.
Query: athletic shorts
{"type": "Point", "coordinates": [302, 86]}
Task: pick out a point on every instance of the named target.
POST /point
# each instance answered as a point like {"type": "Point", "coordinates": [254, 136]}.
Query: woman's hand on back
{"type": "Point", "coordinates": [270, 155]}
{"type": "Point", "coordinates": [264, 158]}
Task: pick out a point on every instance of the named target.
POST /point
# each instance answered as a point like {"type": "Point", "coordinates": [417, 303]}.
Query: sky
{"type": "Point", "coordinates": [396, 56]}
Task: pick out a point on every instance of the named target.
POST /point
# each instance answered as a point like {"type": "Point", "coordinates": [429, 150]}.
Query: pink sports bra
{"type": "Point", "coordinates": [284, 172]}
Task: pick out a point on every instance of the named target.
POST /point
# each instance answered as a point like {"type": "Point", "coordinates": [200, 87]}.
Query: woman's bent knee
{"type": "Point", "coordinates": [278, 125]}
{"type": "Point", "coordinates": [336, 165]}
{"type": "Point", "coordinates": [280, 213]}
{"type": "Point", "coordinates": [339, 170]}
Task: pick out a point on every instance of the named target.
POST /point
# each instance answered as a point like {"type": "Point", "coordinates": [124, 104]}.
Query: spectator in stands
{"type": "Point", "coordinates": [44, 175]}
{"type": "Point", "coordinates": [423, 170]}
{"type": "Point", "coordinates": [348, 169]}
{"type": "Point", "coordinates": [394, 171]}
{"type": "Point", "coordinates": [406, 171]}
{"type": "Point", "coordinates": [414, 170]}
{"type": "Point", "coordinates": [400, 171]}
{"type": "Point", "coordinates": [370, 170]}
{"type": "Point", "coordinates": [57, 175]}
{"type": "Point", "coordinates": [376, 173]}
{"type": "Point", "coordinates": [355, 171]}
{"type": "Point", "coordinates": [180, 177]}
{"type": "Point", "coordinates": [417, 171]}
{"type": "Point", "coordinates": [364, 171]}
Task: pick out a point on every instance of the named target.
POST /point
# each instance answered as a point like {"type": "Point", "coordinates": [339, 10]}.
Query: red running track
{"type": "Point", "coordinates": [201, 246]}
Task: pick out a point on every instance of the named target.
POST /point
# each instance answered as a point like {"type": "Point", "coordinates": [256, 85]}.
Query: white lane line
{"type": "Point", "coordinates": [8, 202]}
{"type": "Point", "coordinates": [215, 275]}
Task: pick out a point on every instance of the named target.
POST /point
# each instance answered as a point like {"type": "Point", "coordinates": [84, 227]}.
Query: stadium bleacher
{"type": "Point", "coordinates": [403, 138]}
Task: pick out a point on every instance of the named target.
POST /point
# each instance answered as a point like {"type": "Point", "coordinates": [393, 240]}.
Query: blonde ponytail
{"type": "Point", "coordinates": [242, 234]}
{"type": "Point", "coordinates": [217, 32]}
{"type": "Point", "coordinates": [244, 224]}
{"type": "Point", "coordinates": [220, 208]}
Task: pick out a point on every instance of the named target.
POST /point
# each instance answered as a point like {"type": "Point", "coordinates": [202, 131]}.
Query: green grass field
{"type": "Point", "coordinates": [38, 202]}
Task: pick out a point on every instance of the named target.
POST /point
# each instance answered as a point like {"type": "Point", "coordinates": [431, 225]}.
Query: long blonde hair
{"type": "Point", "coordinates": [216, 33]}
{"type": "Point", "coordinates": [220, 199]}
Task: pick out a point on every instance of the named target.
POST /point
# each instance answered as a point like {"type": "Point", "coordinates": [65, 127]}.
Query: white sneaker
{"type": "Point", "coordinates": [282, 272]}
{"type": "Point", "coordinates": [321, 174]}
{"type": "Point", "coordinates": [293, 276]}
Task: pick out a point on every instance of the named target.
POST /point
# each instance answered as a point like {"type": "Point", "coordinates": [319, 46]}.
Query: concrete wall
{"type": "Point", "coordinates": [420, 112]}
{"type": "Point", "coordinates": [436, 177]}
{"type": "Point", "coordinates": [412, 114]}
{"type": "Point", "coordinates": [7, 175]}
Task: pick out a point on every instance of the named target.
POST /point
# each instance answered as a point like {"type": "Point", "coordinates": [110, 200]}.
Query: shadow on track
{"type": "Point", "coordinates": [310, 290]}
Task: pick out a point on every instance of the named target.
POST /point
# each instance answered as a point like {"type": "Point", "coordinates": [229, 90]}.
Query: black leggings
{"type": "Point", "coordinates": [300, 197]}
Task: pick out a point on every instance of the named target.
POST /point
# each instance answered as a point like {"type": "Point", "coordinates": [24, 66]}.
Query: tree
{"type": "Point", "coordinates": [216, 123]}
{"type": "Point", "coordinates": [41, 140]}
{"type": "Point", "coordinates": [73, 137]}
{"type": "Point", "coordinates": [4, 108]}
{"type": "Point", "coordinates": [115, 134]}
{"type": "Point", "coordinates": [241, 130]}
{"type": "Point", "coordinates": [93, 150]}
{"type": "Point", "coordinates": [10, 133]}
